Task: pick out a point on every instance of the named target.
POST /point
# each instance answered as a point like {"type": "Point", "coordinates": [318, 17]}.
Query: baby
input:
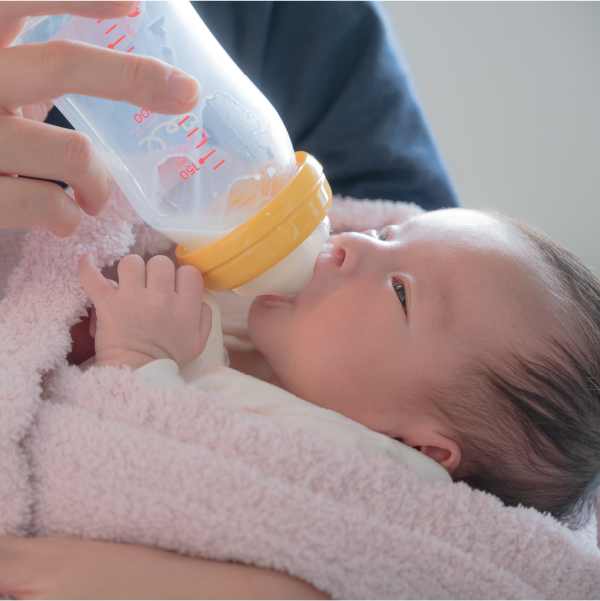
{"type": "Point", "coordinates": [469, 338]}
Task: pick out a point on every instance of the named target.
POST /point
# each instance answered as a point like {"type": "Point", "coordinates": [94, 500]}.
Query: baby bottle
{"type": "Point", "coordinates": [222, 181]}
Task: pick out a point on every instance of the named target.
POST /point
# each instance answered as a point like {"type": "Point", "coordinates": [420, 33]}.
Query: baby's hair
{"type": "Point", "coordinates": [528, 424]}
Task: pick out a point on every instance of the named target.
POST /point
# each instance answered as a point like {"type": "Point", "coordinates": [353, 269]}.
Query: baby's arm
{"type": "Point", "coordinates": [154, 313]}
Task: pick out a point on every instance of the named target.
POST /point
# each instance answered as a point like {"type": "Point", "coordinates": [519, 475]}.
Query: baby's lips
{"type": "Point", "coordinates": [276, 299]}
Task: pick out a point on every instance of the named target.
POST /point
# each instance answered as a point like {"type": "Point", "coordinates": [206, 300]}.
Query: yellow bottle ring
{"type": "Point", "coordinates": [270, 235]}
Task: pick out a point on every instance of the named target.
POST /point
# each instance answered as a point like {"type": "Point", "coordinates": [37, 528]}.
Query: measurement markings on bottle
{"type": "Point", "coordinates": [112, 46]}
{"type": "Point", "coordinates": [145, 113]}
{"type": "Point", "coordinates": [130, 31]}
{"type": "Point", "coordinates": [192, 169]}
{"type": "Point", "coordinates": [203, 160]}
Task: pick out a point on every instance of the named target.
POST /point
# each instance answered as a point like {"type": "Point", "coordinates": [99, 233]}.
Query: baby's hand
{"type": "Point", "coordinates": [154, 312]}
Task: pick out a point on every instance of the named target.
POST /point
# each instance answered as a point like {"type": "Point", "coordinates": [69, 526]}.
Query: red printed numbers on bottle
{"type": "Point", "coordinates": [143, 114]}
{"type": "Point", "coordinates": [189, 171]}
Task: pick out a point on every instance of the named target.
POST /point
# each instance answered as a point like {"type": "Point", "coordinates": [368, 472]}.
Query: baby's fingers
{"type": "Point", "coordinates": [205, 324]}
{"type": "Point", "coordinates": [189, 284]}
{"type": "Point", "coordinates": [97, 287]}
{"type": "Point", "coordinates": [160, 274]}
{"type": "Point", "coordinates": [132, 274]}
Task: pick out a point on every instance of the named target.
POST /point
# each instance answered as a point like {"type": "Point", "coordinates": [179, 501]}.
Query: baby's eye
{"type": "Point", "coordinates": [400, 292]}
{"type": "Point", "coordinates": [383, 235]}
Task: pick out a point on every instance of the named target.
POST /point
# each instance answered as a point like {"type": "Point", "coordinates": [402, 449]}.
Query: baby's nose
{"type": "Point", "coordinates": [355, 250]}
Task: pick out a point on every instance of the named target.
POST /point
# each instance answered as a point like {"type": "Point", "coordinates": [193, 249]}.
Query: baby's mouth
{"type": "Point", "coordinates": [271, 298]}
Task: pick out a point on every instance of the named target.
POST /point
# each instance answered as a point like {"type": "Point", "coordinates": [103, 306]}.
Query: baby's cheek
{"type": "Point", "coordinates": [254, 322]}
{"type": "Point", "coordinates": [265, 327]}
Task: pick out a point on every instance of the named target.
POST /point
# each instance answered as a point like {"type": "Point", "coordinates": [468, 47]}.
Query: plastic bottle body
{"type": "Point", "coordinates": [213, 166]}
{"type": "Point", "coordinates": [195, 177]}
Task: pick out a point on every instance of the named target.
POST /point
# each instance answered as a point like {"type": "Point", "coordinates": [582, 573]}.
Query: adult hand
{"type": "Point", "coordinates": [30, 77]}
{"type": "Point", "coordinates": [53, 568]}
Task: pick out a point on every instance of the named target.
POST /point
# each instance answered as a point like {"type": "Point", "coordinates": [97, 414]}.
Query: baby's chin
{"type": "Point", "coordinates": [268, 327]}
{"type": "Point", "coordinates": [261, 306]}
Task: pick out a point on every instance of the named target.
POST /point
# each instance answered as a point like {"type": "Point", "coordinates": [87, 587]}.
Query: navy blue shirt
{"type": "Point", "coordinates": [337, 77]}
{"type": "Point", "coordinates": [335, 73]}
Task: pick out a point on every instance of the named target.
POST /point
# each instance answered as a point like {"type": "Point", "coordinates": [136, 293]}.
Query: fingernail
{"type": "Point", "coordinates": [183, 88]}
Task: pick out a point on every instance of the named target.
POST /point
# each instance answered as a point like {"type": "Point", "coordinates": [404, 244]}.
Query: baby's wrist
{"type": "Point", "coordinates": [122, 358]}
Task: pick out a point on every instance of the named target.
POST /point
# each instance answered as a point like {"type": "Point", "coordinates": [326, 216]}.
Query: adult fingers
{"type": "Point", "coordinates": [105, 10]}
{"type": "Point", "coordinates": [96, 286]}
{"type": "Point", "coordinates": [160, 274]}
{"type": "Point", "coordinates": [189, 283]}
{"type": "Point", "coordinates": [32, 202]}
{"type": "Point", "coordinates": [37, 112]}
{"type": "Point", "coordinates": [47, 152]}
{"type": "Point", "coordinates": [40, 72]}
{"type": "Point", "coordinates": [132, 273]}
{"type": "Point", "coordinates": [12, 14]}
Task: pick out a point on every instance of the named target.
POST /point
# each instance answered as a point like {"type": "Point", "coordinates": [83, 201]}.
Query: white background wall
{"type": "Point", "coordinates": [512, 92]}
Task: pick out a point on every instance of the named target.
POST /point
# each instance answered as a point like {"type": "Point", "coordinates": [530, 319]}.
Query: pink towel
{"type": "Point", "coordinates": [106, 454]}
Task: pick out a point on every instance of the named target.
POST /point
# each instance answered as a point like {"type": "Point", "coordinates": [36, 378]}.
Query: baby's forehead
{"type": "Point", "coordinates": [472, 225]}
{"type": "Point", "coordinates": [469, 235]}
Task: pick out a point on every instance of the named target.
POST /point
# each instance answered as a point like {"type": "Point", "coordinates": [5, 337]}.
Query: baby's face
{"type": "Point", "coordinates": [387, 311]}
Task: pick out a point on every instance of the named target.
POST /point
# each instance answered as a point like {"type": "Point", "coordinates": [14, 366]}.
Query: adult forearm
{"type": "Point", "coordinates": [188, 578]}
{"type": "Point", "coordinates": [54, 568]}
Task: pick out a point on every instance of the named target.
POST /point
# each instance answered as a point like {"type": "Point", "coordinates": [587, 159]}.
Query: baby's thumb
{"type": "Point", "coordinates": [93, 322]}
{"type": "Point", "coordinates": [93, 282]}
{"type": "Point", "coordinates": [205, 324]}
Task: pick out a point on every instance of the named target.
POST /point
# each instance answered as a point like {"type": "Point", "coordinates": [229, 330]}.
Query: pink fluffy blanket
{"type": "Point", "coordinates": [106, 454]}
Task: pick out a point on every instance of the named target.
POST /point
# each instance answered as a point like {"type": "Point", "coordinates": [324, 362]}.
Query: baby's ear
{"type": "Point", "coordinates": [428, 440]}
{"type": "Point", "coordinates": [448, 455]}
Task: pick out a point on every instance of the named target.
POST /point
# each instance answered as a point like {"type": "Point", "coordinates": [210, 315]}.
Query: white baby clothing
{"type": "Point", "coordinates": [210, 372]}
